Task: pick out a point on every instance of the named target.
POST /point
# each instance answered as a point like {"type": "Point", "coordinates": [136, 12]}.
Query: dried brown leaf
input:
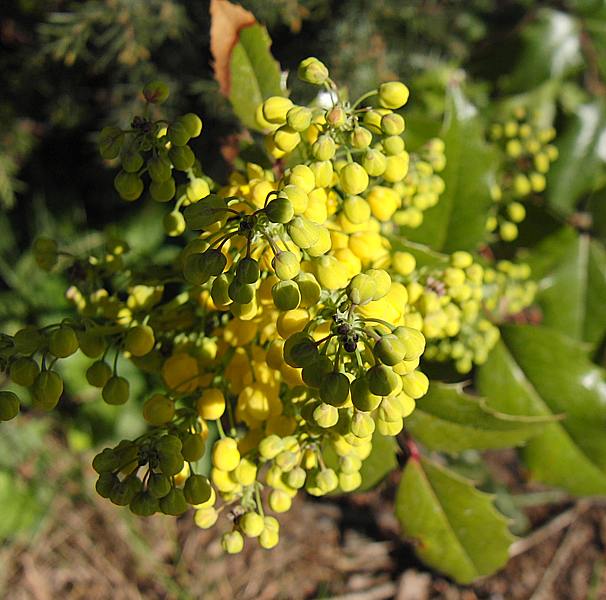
{"type": "Point", "coordinates": [226, 22]}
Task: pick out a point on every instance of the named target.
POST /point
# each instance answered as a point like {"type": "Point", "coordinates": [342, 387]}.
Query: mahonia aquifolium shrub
{"type": "Point", "coordinates": [289, 322]}
{"type": "Point", "coordinates": [528, 157]}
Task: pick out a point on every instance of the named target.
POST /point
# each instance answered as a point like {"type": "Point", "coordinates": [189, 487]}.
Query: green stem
{"type": "Point", "coordinates": [220, 428]}
{"type": "Point", "coordinates": [230, 416]}
{"type": "Point", "coordinates": [539, 498]}
{"type": "Point", "coordinates": [325, 339]}
{"type": "Point", "coordinates": [380, 321]}
{"type": "Point", "coordinates": [268, 196]}
{"type": "Point", "coordinates": [359, 360]}
{"type": "Point", "coordinates": [117, 355]}
{"type": "Point", "coordinates": [258, 500]}
{"type": "Point", "coordinates": [274, 247]}
{"type": "Point", "coordinates": [337, 358]}
{"type": "Point", "coordinates": [364, 96]}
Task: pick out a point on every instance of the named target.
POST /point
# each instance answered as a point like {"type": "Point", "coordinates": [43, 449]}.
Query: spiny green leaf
{"type": "Point", "coordinates": [581, 157]}
{"type": "Point", "coordinates": [539, 371]}
{"type": "Point", "coordinates": [549, 48]}
{"type": "Point", "coordinates": [457, 529]}
{"type": "Point", "coordinates": [458, 221]}
{"type": "Point", "coordinates": [449, 420]}
{"type": "Point", "coordinates": [571, 270]}
{"type": "Point", "coordinates": [255, 74]}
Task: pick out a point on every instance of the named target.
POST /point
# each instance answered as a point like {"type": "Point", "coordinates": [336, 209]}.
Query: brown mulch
{"type": "Point", "coordinates": [344, 549]}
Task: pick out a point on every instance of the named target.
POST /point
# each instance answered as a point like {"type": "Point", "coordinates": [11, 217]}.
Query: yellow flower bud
{"type": "Point", "coordinates": [396, 167]}
{"type": "Point", "coordinates": [302, 176]}
{"type": "Point", "coordinates": [276, 108]}
{"type": "Point", "coordinates": [299, 118]}
{"type": "Point", "coordinates": [393, 94]}
{"type": "Point", "coordinates": [353, 179]}
{"type": "Point", "coordinates": [211, 404]}
{"type": "Point", "coordinates": [403, 262]}
{"type": "Point", "coordinates": [383, 202]}
{"type": "Point", "coordinates": [312, 71]}
{"type": "Point", "coordinates": [331, 274]}
{"type": "Point", "coordinates": [286, 138]}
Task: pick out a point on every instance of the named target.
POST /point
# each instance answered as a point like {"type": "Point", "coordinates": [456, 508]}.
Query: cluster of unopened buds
{"type": "Point", "coordinates": [529, 154]}
{"type": "Point", "coordinates": [285, 334]}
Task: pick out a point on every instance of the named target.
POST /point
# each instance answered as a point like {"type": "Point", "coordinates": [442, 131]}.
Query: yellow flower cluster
{"type": "Point", "coordinates": [460, 304]}
{"type": "Point", "coordinates": [287, 324]}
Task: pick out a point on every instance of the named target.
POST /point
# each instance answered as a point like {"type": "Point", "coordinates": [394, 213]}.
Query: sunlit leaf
{"type": "Point", "coordinates": [582, 155]}
{"type": "Point", "coordinates": [449, 420]}
{"type": "Point", "coordinates": [539, 371]}
{"type": "Point", "coordinates": [456, 528]}
{"type": "Point", "coordinates": [381, 461]}
{"type": "Point", "coordinates": [458, 221]}
{"type": "Point", "coordinates": [571, 270]}
{"type": "Point", "coordinates": [244, 66]}
{"type": "Point", "coordinates": [548, 48]}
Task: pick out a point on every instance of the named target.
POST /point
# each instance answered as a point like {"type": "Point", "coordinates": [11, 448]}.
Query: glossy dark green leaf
{"type": "Point", "coordinates": [255, 74]}
{"type": "Point", "coordinates": [447, 419]}
{"type": "Point", "coordinates": [571, 271]}
{"type": "Point", "coordinates": [380, 462]}
{"type": "Point", "coordinates": [456, 528]}
{"type": "Point", "coordinates": [548, 48]}
{"type": "Point", "coordinates": [457, 222]}
{"type": "Point", "coordinates": [581, 157]}
{"type": "Point", "coordinates": [540, 371]}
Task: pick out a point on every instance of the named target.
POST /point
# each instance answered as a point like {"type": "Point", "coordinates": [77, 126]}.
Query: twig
{"type": "Point", "coordinates": [381, 592]}
{"type": "Point", "coordinates": [599, 571]}
{"type": "Point", "coordinates": [560, 522]}
{"type": "Point", "coordinates": [539, 498]}
{"type": "Point", "coordinates": [594, 81]}
{"type": "Point", "coordinates": [574, 539]}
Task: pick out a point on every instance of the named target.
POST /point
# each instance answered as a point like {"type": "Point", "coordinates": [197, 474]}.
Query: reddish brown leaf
{"type": "Point", "coordinates": [226, 22]}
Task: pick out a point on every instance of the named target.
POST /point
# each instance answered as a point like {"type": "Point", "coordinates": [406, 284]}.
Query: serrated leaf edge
{"type": "Point", "coordinates": [479, 494]}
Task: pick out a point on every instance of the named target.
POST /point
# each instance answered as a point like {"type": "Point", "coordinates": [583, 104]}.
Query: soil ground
{"type": "Point", "coordinates": [343, 548]}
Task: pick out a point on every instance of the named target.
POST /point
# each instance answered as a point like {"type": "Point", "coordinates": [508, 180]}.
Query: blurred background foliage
{"type": "Point", "coordinates": [68, 68]}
